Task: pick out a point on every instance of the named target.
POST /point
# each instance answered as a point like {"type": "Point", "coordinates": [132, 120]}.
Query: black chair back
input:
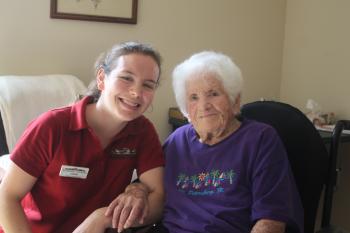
{"type": "Point", "coordinates": [332, 171]}
{"type": "Point", "coordinates": [306, 150]}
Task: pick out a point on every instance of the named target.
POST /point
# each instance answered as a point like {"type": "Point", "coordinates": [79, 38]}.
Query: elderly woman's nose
{"type": "Point", "coordinates": [204, 103]}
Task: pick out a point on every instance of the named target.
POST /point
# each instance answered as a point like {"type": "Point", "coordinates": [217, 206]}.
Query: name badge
{"type": "Point", "coordinates": [74, 172]}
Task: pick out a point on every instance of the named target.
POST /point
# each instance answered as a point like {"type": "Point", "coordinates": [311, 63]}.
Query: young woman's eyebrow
{"type": "Point", "coordinates": [151, 81]}
{"type": "Point", "coordinates": [126, 72]}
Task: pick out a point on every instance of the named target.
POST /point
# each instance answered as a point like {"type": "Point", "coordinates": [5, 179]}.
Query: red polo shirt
{"type": "Point", "coordinates": [61, 138]}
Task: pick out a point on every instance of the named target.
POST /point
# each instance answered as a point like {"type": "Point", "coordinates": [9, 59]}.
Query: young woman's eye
{"type": "Point", "coordinates": [150, 86]}
{"type": "Point", "coordinates": [126, 78]}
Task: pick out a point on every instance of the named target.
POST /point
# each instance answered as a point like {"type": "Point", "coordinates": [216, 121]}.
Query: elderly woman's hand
{"type": "Point", "coordinates": [129, 208]}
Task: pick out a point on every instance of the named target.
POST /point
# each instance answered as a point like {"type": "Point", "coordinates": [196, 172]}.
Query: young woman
{"type": "Point", "coordinates": [72, 162]}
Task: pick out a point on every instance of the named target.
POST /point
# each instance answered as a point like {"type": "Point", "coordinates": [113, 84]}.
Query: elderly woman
{"type": "Point", "coordinates": [223, 174]}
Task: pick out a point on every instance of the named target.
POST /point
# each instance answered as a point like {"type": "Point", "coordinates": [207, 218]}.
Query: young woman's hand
{"type": "Point", "coordinates": [96, 222]}
{"type": "Point", "coordinates": [129, 208]}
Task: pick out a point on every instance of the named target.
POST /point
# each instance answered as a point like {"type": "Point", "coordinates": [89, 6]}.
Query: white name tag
{"type": "Point", "coordinates": [74, 172]}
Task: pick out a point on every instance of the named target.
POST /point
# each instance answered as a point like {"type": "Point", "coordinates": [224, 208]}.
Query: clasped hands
{"type": "Point", "coordinates": [129, 209]}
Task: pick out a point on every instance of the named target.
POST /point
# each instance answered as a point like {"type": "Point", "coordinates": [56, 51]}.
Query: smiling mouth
{"type": "Point", "coordinates": [130, 103]}
{"type": "Point", "coordinates": [207, 115]}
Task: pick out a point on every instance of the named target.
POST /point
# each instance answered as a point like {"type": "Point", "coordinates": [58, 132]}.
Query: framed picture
{"type": "Point", "coordinates": [112, 11]}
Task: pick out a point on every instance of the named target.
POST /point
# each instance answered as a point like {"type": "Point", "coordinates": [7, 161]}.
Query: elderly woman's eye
{"type": "Point", "coordinates": [193, 97]}
{"type": "Point", "coordinates": [213, 93]}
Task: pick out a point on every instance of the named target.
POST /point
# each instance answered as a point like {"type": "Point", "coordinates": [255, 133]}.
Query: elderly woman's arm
{"type": "Point", "coordinates": [141, 203]}
{"type": "Point", "coordinates": [268, 226]}
{"type": "Point", "coordinates": [14, 186]}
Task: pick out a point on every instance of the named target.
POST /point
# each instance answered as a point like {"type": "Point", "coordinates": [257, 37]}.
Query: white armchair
{"type": "Point", "coordinates": [23, 98]}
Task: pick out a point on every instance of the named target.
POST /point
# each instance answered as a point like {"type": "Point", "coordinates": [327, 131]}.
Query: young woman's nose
{"type": "Point", "coordinates": [135, 90]}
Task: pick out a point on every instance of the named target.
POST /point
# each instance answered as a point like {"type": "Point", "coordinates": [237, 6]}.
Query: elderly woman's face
{"type": "Point", "coordinates": [208, 105]}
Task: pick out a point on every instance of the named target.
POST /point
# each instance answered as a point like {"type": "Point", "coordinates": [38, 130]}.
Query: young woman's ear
{"type": "Point", "coordinates": [100, 78]}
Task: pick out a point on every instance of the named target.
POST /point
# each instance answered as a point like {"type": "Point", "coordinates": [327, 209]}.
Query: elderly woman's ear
{"type": "Point", "coordinates": [237, 105]}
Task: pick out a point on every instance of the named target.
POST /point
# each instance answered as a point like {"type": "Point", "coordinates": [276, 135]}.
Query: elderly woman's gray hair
{"type": "Point", "coordinates": [207, 62]}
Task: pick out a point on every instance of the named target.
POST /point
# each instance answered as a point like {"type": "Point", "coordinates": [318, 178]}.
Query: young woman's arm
{"type": "Point", "coordinates": [15, 185]}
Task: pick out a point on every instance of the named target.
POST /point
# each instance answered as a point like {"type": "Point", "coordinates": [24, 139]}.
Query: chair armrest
{"type": "Point", "coordinates": [144, 229]}
{"type": "Point", "coordinates": [2, 173]}
{"type": "Point", "coordinates": [3, 144]}
{"type": "Point", "coordinates": [332, 229]}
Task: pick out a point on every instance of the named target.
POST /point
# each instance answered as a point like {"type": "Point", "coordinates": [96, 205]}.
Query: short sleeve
{"type": "Point", "coordinates": [275, 195]}
{"type": "Point", "coordinates": [35, 148]}
{"type": "Point", "coordinates": [151, 155]}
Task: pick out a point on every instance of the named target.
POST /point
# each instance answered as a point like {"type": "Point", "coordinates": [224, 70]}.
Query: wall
{"type": "Point", "coordinates": [316, 65]}
{"type": "Point", "coordinates": [316, 55]}
{"type": "Point", "coordinates": [249, 31]}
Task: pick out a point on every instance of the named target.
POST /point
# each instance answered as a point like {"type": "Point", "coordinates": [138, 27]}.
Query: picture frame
{"type": "Point", "coordinates": [111, 11]}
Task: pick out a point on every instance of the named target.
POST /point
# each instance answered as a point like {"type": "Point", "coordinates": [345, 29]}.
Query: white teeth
{"type": "Point", "coordinates": [130, 103]}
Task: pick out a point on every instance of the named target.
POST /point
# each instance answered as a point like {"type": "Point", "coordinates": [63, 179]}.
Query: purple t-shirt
{"type": "Point", "coordinates": [229, 186]}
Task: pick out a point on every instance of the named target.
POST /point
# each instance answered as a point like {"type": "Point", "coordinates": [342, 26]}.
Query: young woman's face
{"type": "Point", "coordinates": [129, 89]}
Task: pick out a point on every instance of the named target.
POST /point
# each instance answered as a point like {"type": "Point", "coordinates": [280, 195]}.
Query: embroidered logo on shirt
{"type": "Point", "coordinates": [205, 183]}
{"type": "Point", "coordinates": [123, 153]}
